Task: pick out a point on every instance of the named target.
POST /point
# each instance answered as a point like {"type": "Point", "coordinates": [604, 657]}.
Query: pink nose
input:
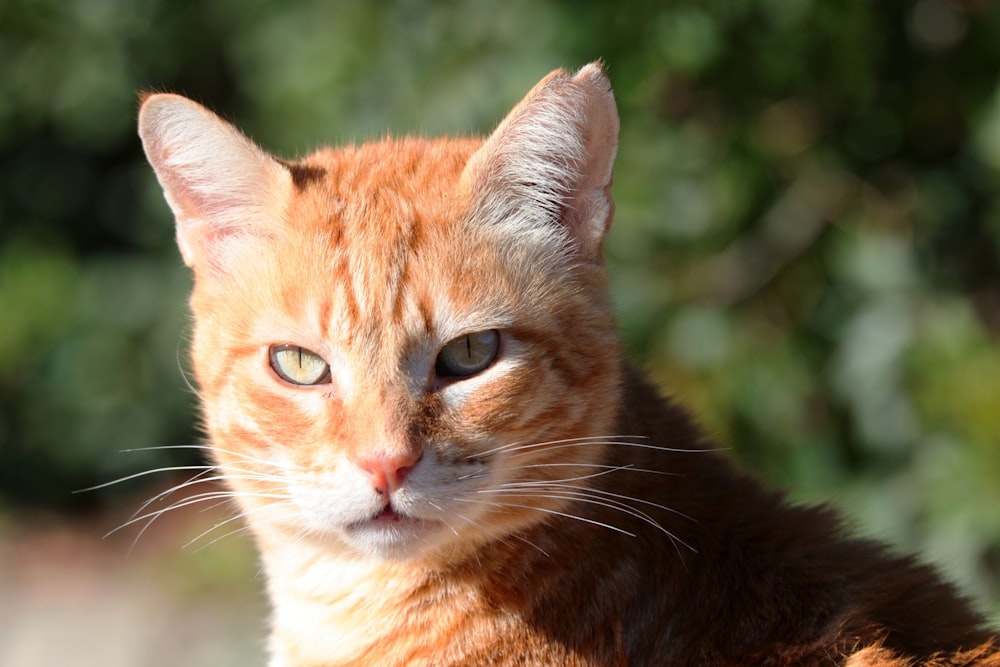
{"type": "Point", "coordinates": [388, 472]}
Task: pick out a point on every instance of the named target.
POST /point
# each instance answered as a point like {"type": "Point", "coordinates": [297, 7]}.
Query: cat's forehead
{"type": "Point", "coordinates": [383, 245]}
{"type": "Point", "coordinates": [386, 181]}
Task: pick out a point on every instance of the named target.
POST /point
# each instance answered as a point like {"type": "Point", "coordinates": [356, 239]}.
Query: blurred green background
{"type": "Point", "coordinates": [806, 249]}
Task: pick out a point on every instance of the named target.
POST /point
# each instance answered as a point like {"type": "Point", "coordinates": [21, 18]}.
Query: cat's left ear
{"type": "Point", "coordinates": [222, 188]}
{"type": "Point", "coordinates": [550, 161]}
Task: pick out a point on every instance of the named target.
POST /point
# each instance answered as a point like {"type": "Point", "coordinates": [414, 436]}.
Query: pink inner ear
{"type": "Point", "coordinates": [218, 183]}
{"type": "Point", "coordinates": [592, 209]}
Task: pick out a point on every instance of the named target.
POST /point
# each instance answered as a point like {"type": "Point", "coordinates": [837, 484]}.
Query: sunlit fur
{"type": "Point", "coordinates": [556, 510]}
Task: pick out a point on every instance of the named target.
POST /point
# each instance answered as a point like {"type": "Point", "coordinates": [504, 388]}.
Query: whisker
{"type": "Point", "coordinates": [580, 495]}
{"type": "Point", "coordinates": [211, 448]}
{"type": "Point", "coordinates": [216, 525]}
{"type": "Point", "coordinates": [588, 489]}
{"type": "Point", "coordinates": [153, 516]}
{"type": "Point", "coordinates": [155, 448]}
{"type": "Point", "coordinates": [608, 470]}
{"type": "Point", "coordinates": [520, 451]}
{"type": "Point", "coordinates": [628, 466]}
{"type": "Point", "coordinates": [193, 500]}
{"type": "Point", "coordinates": [443, 520]}
{"type": "Point", "coordinates": [236, 531]}
{"type": "Point", "coordinates": [183, 371]}
{"type": "Point", "coordinates": [228, 473]}
{"type": "Point", "coordinates": [589, 439]}
{"type": "Point", "coordinates": [665, 508]}
{"type": "Point", "coordinates": [198, 478]}
{"type": "Point", "coordinates": [504, 538]}
{"type": "Point", "coordinates": [531, 544]}
{"type": "Point", "coordinates": [547, 510]}
{"type": "Point", "coordinates": [142, 474]}
{"type": "Point", "coordinates": [473, 475]}
{"type": "Point", "coordinates": [232, 473]}
{"type": "Point", "coordinates": [178, 504]}
{"type": "Point", "coordinates": [219, 524]}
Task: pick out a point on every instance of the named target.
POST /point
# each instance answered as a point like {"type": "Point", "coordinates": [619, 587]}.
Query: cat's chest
{"type": "Point", "coordinates": [330, 611]}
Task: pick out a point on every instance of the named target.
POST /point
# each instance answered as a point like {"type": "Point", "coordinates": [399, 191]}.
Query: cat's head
{"type": "Point", "coordinates": [404, 347]}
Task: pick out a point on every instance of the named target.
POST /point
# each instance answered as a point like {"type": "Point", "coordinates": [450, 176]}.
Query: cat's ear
{"type": "Point", "coordinates": [222, 188]}
{"type": "Point", "coordinates": [550, 161]}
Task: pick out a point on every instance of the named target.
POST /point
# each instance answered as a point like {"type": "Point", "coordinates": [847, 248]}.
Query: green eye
{"type": "Point", "coordinates": [298, 365]}
{"type": "Point", "coordinates": [469, 354]}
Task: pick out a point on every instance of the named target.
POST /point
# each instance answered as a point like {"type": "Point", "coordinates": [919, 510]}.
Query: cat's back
{"type": "Point", "coordinates": [745, 578]}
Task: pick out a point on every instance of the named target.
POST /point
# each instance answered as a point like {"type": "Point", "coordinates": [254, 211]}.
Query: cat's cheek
{"type": "Point", "coordinates": [490, 400]}
{"type": "Point", "coordinates": [506, 404]}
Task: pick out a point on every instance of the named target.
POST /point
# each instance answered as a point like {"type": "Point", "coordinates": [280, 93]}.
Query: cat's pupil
{"type": "Point", "coordinates": [468, 355]}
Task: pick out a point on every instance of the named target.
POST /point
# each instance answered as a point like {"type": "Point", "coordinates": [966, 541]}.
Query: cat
{"type": "Point", "coordinates": [412, 383]}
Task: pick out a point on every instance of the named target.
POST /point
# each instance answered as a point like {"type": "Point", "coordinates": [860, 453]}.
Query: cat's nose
{"type": "Point", "coordinates": [389, 471]}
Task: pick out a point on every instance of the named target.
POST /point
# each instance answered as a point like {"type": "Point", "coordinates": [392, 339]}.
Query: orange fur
{"type": "Point", "coordinates": [548, 508]}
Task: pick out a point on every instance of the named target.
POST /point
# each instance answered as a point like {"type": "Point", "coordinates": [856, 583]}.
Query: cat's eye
{"type": "Point", "coordinates": [298, 365]}
{"type": "Point", "coordinates": [469, 354]}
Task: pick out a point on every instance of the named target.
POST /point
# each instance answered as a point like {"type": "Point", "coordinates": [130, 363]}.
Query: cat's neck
{"type": "Point", "coordinates": [332, 604]}
{"type": "Point", "coordinates": [332, 607]}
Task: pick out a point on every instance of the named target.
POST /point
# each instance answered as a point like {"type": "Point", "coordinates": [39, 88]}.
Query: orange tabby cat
{"type": "Point", "coordinates": [412, 382]}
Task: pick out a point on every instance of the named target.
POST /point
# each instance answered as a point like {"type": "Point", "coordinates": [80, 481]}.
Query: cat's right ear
{"type": "Point", "coordinates": [549, 163]}
{"type": "Point", "coordinates": [222, 188]}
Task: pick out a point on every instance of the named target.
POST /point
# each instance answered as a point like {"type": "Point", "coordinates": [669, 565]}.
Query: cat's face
{"type": "Point", "coordinates": [406, 347]}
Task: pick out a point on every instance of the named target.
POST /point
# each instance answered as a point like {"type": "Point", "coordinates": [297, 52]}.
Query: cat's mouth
{"type": "Point", "coordinates": [390, 533]}
{"type": "Point", "coordinates": [389, 515]}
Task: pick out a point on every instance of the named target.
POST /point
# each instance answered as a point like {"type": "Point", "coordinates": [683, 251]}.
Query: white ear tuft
{"type": "Point", "coordinates": [220, 186]}
{"type": "Point", "coordinates": [550, 161]}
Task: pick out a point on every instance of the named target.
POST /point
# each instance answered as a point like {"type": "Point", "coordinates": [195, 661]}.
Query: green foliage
{"type": "Point", "coordinates": [806, 248]}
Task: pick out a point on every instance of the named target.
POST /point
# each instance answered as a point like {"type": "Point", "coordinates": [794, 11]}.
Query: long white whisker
{"type": "Point", "coordinates": [210, 448]}
{"type": "Point", "coordinates": [589, 439]}
{"type": "Point", "coordinates": [198, 478]}
{"type": "Point", "coordinates": [547, 510]}
{"type": "Point", "coordinates": [183, 372]}
{"type": "Point", "coordinates": [142, 474]}
{"type": "Point", "coordinates": [580, 496]}
{"type": "Point", "coordinates": [156, 448]}
{"type": "Point", "coordinates": [620, 496]}
{"type": "Point", "coordinates": [520, 538]}
{"type": "Point", "coordinates": [178, 504]}
{"type": "Point", "coordinates": [444, 520]}
{"type": "Point", "coordinates": [242, 529]}
{"type": "Point", "coordinates": [233, 472]}
{"type": "Point", "coordinates": [608, 470]}
{"type": "Point", "coordinates": [628, 466]}
{"type": "Point", "coordinates": [520, 451]}
{"type": "Point", "coordinates": [153, 516]}
{"type": "Point", "coordinates": [192, 500]}
{"type": "Point", "coordinates": [219, 524]}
